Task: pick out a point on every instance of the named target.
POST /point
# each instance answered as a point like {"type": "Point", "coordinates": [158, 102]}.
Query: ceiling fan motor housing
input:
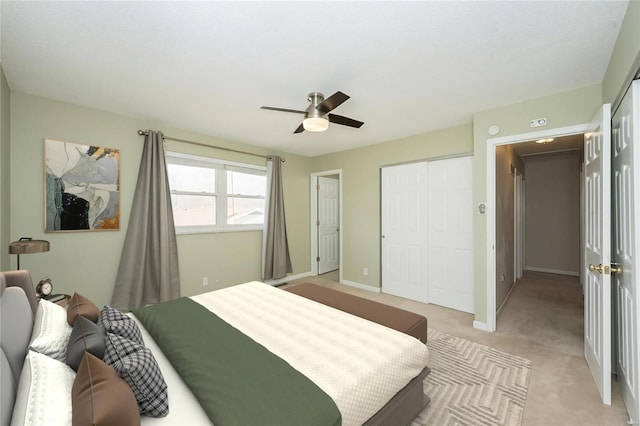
{"type": "Point", "coordinates": [315, 98]}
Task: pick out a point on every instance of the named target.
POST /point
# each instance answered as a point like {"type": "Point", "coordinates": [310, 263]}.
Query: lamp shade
{"type": "Point", "coordinates": [27, 245]}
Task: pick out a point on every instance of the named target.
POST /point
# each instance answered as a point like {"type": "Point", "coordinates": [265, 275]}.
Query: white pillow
{"type": "Point", "coordinates": [44, 392]}
{"type": "Point", "coordinates": [51, 331]}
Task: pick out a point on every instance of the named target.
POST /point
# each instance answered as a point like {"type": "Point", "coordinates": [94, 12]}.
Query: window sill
{"type": "Point", "coordinates": [207, 230]}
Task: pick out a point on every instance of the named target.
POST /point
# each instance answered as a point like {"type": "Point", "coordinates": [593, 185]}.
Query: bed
{"type": "Point", "coordinates": [265, 355]}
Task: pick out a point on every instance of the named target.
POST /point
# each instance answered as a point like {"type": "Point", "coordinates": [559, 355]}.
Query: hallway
{"type": "Point", "coordinates": [544, 321]}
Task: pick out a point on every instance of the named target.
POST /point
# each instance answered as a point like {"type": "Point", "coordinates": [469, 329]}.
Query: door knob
{"type": "Point", "coordinates": [595, 268]}
{"type": "Point", "coordinates": [616, 268]}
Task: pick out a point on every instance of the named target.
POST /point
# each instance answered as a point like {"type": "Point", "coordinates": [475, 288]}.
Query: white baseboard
{"type": "Point", "coordinates": [288, 278]}
{"type": "Point", "coordinates": [552, 271]}
{"type": "Point", "coordinates": [480, 326]}
{"type": "Point", "coordinates": [360, 286]}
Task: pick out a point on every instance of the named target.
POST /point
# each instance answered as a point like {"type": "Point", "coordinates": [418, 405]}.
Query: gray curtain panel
{"type": "Point", "coordinates": [148, 271]}
{"type": "Point", "coordinates": [277, 262]}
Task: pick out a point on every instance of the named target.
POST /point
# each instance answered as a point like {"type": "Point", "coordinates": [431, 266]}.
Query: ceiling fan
{"type": "Point", "coordinates": [317, 115]}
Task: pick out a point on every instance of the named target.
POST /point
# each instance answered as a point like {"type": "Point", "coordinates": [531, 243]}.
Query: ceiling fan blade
{"type": "Point", "coordinates": [332, 102]}
{"type": "Point", "coordinates": [345, 121]}
{"type": "Point", "coordinates": [283, 109]}
{"type": "Point", "coordinates": [300, 129]}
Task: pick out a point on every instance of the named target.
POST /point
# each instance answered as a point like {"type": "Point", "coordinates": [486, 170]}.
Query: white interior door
{"type": "Point", "coordinates": [404, 231]}
{"type": "Point", "coordinates": [450, 236]}
{"type": "Point", "coordinates": [626, 197]}
{"type": "Point", "coordinates": [597, 312]}
{"type": "Point", "coordinates": [328, 224]}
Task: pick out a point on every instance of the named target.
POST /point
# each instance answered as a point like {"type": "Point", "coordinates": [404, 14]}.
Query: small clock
{"type": "Point", "coordinates": [44, 288]}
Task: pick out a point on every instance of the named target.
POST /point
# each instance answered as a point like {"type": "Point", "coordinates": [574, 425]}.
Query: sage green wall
{"type": "Point", "coordinates": [564, 109]}
{"type": "Point", "coordinates": [5, 115]}
{"type": "Point", "coordinates": [625, 58]}
{"type": "Point", "coordinates": [361, 191]}
{"type": "Point", "coordinates": [561, 110]}
{"type": "Point", "coordinates": [87, 262]}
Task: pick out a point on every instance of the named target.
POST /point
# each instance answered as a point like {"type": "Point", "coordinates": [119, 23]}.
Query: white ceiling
{"type": "Point", "coordinates": [409, 67]}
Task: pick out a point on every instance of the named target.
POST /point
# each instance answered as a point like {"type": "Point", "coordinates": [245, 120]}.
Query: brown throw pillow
{"type": "Point", "coordinates": [100, 397]}
{"type": "Point", "coordinates": [80, 305]}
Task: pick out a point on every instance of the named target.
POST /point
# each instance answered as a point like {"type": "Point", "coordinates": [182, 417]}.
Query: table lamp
{"type": "Point", "coordinates": [27, 245]}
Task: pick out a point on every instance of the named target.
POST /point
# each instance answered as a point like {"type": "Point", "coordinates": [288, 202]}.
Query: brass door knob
{"type": "Point", "coordinates": [616, 268]}
{"type": "Point", "coordinates": [593, 268]}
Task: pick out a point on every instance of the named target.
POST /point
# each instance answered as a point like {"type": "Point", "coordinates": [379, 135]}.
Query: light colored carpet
{"type": "Point", "coordinates": [472, 384]}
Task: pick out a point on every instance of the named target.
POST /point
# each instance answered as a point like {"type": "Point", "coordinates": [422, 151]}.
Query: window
{"type": "Point", "coordinates": [209, 195]}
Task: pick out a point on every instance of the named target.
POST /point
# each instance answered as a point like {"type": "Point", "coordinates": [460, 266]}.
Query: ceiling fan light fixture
{"type": "Point", "coordinates": [315, 124]}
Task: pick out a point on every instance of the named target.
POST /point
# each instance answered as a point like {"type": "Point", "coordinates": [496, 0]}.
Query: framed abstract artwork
{"type": "Point", "coordinates": [82, 187]}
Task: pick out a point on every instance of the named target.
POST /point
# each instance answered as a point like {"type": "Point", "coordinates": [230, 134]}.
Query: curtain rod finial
{"type": "Point", "coordinates": [142, 132]}
{"type": "Point", "coordinates": [270, 158]}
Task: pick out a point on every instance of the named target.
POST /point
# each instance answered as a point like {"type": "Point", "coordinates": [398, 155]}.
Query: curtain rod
{"type": "Point", "coordinates": [268, 157]}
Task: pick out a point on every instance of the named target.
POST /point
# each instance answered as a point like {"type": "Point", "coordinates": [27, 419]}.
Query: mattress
{"type": "Point", "coordinates": [361, 365]}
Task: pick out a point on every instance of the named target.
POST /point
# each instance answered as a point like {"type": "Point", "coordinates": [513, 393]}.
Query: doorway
{"type": "Point", "coordinates": [610, 164]}
{"type": "Point", "coordinates": [492, 144]}
{"type": "Point", "coordinates": [597, 312]}
{"type": "Point", "coordinates": [547, 225]}
{"type": "Point", "coordinates": [326, 222]}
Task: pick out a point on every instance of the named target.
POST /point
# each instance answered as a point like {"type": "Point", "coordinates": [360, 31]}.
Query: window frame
{"type": "Point", "coordinates": [220, 195]}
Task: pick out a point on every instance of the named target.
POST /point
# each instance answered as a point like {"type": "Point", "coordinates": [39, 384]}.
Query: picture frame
{"type": "Point", "coordinates": [82, 187]}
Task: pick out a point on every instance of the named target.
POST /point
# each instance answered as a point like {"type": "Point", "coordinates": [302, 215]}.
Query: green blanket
{"type": "Point", "coordinates": [236, 380]}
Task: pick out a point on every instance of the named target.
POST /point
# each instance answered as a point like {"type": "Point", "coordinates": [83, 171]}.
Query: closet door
{"type": "Point", "coordinates": [450, 234]}
{"type": "Point", "coordinates": [404, 231]}
{"type": "Point", "coordinates": [625, 157]}
{"type": "Point", "coordinates": [427, 233]}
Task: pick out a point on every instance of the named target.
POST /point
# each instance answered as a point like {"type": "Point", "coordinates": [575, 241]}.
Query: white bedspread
{"type": "Point", "coordinates": [360, 364]}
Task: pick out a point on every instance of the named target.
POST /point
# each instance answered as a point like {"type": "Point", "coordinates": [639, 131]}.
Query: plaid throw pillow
{"type": "Point", "coordinates": [113, 321]}
{"type": "Point", "coordinates": [137, 366]}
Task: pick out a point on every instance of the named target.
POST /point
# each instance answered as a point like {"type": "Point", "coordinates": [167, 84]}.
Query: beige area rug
{"type": "Point", "coordinates": [472, 384]}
